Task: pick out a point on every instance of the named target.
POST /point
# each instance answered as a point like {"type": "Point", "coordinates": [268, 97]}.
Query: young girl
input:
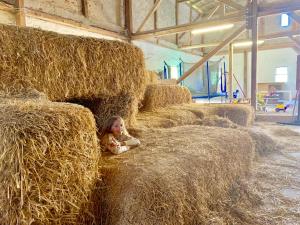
{"type": "Point", "coordinates": [116, 138]}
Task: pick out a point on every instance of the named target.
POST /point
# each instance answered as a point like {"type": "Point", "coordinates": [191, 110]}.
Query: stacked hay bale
{"type": "Point", "coordinates": [69, 68]}
{"type": "Point", "coordinates": [49, 161]}
{"type": "Point", "coordinates": [185, 179]}
{"type": "Point", "coordinates": [157, 96]}
{"type": "Point", "coordinates": [240, 114]}
{"type": "Point", "coordinates": [151, 77]}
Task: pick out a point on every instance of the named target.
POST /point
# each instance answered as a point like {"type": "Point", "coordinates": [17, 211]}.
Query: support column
{"type": "Point", "coordinates": [128, 18]}
{"type": "Point", "coordinates": [230, 70]}
{"type": "Point", "coordinates": [254, 53]}
{"type": "Point", "coordinates": [246, 74]}
{"type": "Point", "coordinates": [298, 85]}
{"type": "Point", "coordinates": [20, 15]}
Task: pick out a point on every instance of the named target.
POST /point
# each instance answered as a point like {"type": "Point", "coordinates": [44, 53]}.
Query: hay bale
{"type": "Point", "coordinates": [123, 105]}
{"type": "Point", "coordinates": [69, 67]}
{"type": "Point", "coordinates": [49, 153]}
{"type": "Point", "coordinates": [264, 144]}
{"type": "Point", "coordinates": [216, 121]}
{"type": "Point", "coordinates": [9, 93]}
{"type": "Point", "coordinates": [152, 77]}
{"type": "Point", "coordinates": [242, 115]}
{"type": "Point", "coordinates": [180, 180]}
{"type": "Point", "coordinates": [157, 96]}
{"type": "Point", "coordinates": [166, 118]}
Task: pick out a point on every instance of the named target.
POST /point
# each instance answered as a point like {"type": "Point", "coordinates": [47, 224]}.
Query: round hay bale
{"type": "Point", "coordinates": [24, 94]}
{"type": "Point", "coordinates": [49, 161]}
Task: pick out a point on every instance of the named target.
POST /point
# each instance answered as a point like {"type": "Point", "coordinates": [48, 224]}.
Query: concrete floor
{"type": "Point", "coordinates": [276, 178]}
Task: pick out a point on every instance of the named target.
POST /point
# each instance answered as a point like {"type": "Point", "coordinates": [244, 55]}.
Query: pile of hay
{"type": "Point", "coordinates": [157, 96]}
{"type": "Point", "coordinates": [49, 161]}
{"type": "Point", "coordinates": [185, 179]}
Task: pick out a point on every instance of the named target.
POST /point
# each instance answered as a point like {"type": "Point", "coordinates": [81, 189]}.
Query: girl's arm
{"type": "Point", "coordinates": [115, 146]}
{"type": "Point", "coordinates": [131, 141]}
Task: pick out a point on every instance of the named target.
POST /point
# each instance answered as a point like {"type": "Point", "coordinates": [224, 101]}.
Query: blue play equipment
{"type": "Point", "coordinates": [212, 90]}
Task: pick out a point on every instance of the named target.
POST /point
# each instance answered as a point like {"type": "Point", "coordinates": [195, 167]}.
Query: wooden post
{"type": "Point", "coordinates": [298, 85]}
{"type": "Point", "coordinates": [128, 18]}
{"type": "Point", "coordinates": [177, 20]}
{"type": "Point", "coordinates": [246, 73]}
{"type": "Point", "coordinates": [231, 38]}
{"type": "Point", "coordinates": [230, 70]}
{"type": "Point", "coordinates": [20, 15]}
{"type": "Point", "coordinates": [190, 20]}
{"type": "Point", "coordinates": [254, 53]}
{"type": "Point", "coordinates": [84, 8]}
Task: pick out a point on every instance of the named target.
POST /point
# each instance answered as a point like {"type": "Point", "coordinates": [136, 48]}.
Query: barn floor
{"type": "Point", "coordinates": [276, 178]}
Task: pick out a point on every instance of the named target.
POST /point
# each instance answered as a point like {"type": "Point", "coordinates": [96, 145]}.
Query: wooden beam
{"type": "Point", "coordinates": [232, 4]}
{"type": "Point", "coordinates": [74, 24]}
{"type": "Point", "coordinates": [246, 73]}
{"type": "Point", "coordinates": [232, 37]}
{"type": "Point", "coordinates": [264, 10]}
{"type": "Point", "coordinates": [254, 10]}
{"type": "Point", "coordinates": [213, 12]}
{"type": "Point", "coordinates": [20, 15]}
{"type": "Point", "coordinates": [181, 35]}
{"type": "Point", "coordinates": [84, 8]}
{"type": "Point", "coordinates": [297, 43]}
{"type": "Point", "coordinates": [236, 17]}
{"type": "Point", "coordinates": [150, 13]}
{"type": "Point", "coordinates": [230, 70]}
{"type": "Point", "coordinates": [278, 8]}
{"type": "Point", "coordinates": [128, 17]}
{"type": "Point", "coordinates": [260, 37]}
{"type": "Point", "coordinates": [295, 17]}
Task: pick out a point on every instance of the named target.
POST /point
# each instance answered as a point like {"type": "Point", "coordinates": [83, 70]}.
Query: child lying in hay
{"type": "Point", "coordinates": [116, 138]}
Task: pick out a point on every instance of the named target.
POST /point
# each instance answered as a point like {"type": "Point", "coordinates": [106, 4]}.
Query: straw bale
{"type": "Point", "coordinates": [24, 94]}
{"type": "Point", "coordinates": [181, 175]}
{"type": "Point", "coordinates": [264, 144]}
{"type": "Point", "coordinates": [123, 105]}
{"type": "Point", "coordinates": [217, 121]}
{"type": "Point", "coordinates": [152, 77]}
{"type": "Point", "coordinates": [157, 96]}
{"type": "Point", "coordinates": [242, 115]}
{"type": "Point", "coordinates": [69, 67]}
{"type": "Point", "coordinates": [166, 118]}
{"type": "Point", "coordinates": [49, 156]}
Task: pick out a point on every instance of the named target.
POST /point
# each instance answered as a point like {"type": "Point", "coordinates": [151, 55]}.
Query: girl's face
{"type": "Point", "coordinates": [117, 127]}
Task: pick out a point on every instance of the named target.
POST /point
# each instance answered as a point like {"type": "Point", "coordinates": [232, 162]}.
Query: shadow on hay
{"type": "Point", "coordinates": [124, 105]}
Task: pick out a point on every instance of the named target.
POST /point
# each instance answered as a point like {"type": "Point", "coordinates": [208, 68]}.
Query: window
{"type": "Point", "coordinates": [281, 74]}
{"type": "Point", "coordinates": [285, 20]}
